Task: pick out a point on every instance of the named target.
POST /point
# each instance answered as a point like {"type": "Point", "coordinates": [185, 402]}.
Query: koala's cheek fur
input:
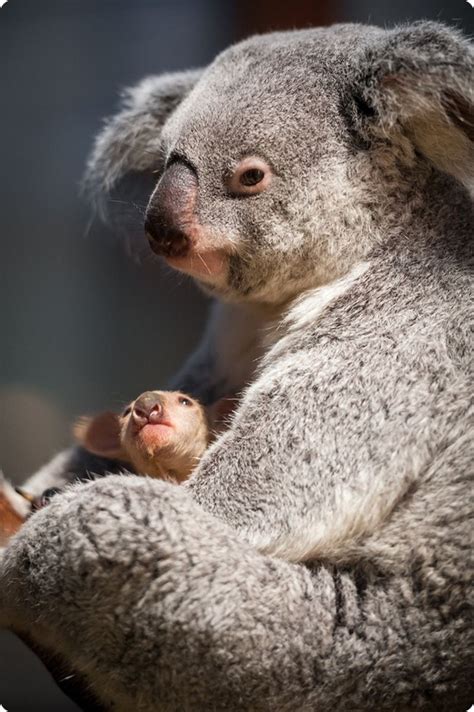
{"type": "Point", "coordinates": [286, 245]}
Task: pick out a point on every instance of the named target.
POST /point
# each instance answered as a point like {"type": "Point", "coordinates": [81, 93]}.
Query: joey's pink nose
{"type": "Point", "coordinates": [147, 409]}
{"type": "Point", "coordinates": [170, 211]}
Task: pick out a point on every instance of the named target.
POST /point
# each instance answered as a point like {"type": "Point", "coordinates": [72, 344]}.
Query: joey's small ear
{"type": "Point", "coordinates": [419, 80]}
{"type": "Point", "coordinates": [220, 412]}
{"type": "Point", "coordinates": [130, 142]}
{"type": "Point", "coordinates": [100, 435]}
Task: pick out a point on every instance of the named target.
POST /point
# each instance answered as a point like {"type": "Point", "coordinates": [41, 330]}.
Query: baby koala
{"type": "Point", "coordinates": [162, 434]}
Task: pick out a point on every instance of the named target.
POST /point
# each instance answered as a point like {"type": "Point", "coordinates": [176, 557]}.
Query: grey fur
{"type": "Point", "coordinates": [130, 141]}
{"type": "Point", "coordinates": [319, 557]}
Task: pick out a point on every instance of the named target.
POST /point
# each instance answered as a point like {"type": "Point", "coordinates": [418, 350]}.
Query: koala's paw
{"type": "Point", "coordinates": [83, 548]}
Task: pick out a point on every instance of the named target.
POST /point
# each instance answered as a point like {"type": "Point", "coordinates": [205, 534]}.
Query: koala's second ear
{"type": "Point", "coordinates": [130, 142]}
{"type": "Point", "coordinates": [419, 79]}
{"type": "Point", "coordinates": [100, 435]}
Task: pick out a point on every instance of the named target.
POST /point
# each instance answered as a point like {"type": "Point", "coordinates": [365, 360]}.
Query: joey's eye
{"type": "Point", "coordinates": [253, 175]}
{"type": "Point", "coordinates": [185, 401]}
{"type": "Point", "coordinates": [127, 411]}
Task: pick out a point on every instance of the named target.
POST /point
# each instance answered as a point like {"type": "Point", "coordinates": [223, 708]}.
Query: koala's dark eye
{"type": "Point", "coordinates": [127, 411]}
{"type": "Point", "coordinates": [253, 175]}
{"type": "Point", "coordinates": [185, 401]}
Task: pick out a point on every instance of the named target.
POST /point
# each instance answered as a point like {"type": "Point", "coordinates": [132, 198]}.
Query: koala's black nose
{"type": "Point", "coordinates": [147, 408]}
{"type": "Point", "coordinates": [169, 215]}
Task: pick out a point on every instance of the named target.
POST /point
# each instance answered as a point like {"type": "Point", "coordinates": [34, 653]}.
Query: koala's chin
{"type": "Point", "coordinates": [210, 268]}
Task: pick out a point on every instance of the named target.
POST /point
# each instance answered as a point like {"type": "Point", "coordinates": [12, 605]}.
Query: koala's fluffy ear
{"type": "Point", "coordinates": [100, 435]}
{"type": "Point", "coordinates": [130, 142]}
{"type": "Point", "coordinates": [419, 80]}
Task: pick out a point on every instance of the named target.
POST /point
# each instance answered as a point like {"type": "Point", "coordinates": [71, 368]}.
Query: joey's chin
{"type": "Point", "coordinates": [153, 437]}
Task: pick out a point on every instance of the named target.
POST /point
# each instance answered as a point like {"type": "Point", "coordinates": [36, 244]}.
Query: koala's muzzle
{"type": "Point", "coordinates": [169, 216]}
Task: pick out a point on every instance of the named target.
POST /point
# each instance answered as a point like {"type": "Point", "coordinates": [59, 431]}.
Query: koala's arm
{"type": "Point", "coordinates": [152, 601]}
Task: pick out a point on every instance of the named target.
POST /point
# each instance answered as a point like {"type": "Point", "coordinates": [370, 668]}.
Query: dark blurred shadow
{"type": "Point", "coordinates": [25, 685]}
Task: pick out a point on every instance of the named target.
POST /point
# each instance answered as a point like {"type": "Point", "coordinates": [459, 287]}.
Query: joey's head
{"type": "Point", "coordinates": [161, 434]}
{"type": "Point", "coordinates": [280, 165]}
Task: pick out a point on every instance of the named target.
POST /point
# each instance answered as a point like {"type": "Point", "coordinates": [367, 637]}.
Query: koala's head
{"type": "Point", "coordinates": [276, 166]}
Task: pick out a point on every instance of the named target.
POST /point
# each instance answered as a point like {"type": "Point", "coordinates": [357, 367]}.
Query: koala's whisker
{"type": "Point", "coordinates": [88, 227]}
{"type": "Point", "coordinates": [204, 263]}
{"type": "Point", "coordinates": [130, 204]}
{"type": "Point", "coordinates": [140, 209]}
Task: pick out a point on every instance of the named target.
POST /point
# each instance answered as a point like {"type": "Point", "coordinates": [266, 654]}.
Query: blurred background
{"type": "Point", "coordinates": [86, 322]}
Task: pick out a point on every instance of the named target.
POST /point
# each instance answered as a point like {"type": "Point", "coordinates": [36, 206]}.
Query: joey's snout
{"type": "Point", "coordinates": [148, 408]}
{"type": "Point", "coordinates": [170, 213]}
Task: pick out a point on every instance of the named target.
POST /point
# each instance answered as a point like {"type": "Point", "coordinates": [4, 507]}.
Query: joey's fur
{"type": "Point", "coordinates": [350, 277]}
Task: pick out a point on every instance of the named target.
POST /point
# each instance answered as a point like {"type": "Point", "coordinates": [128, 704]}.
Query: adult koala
{"type": "Point", "coordinates": [318, 182]}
